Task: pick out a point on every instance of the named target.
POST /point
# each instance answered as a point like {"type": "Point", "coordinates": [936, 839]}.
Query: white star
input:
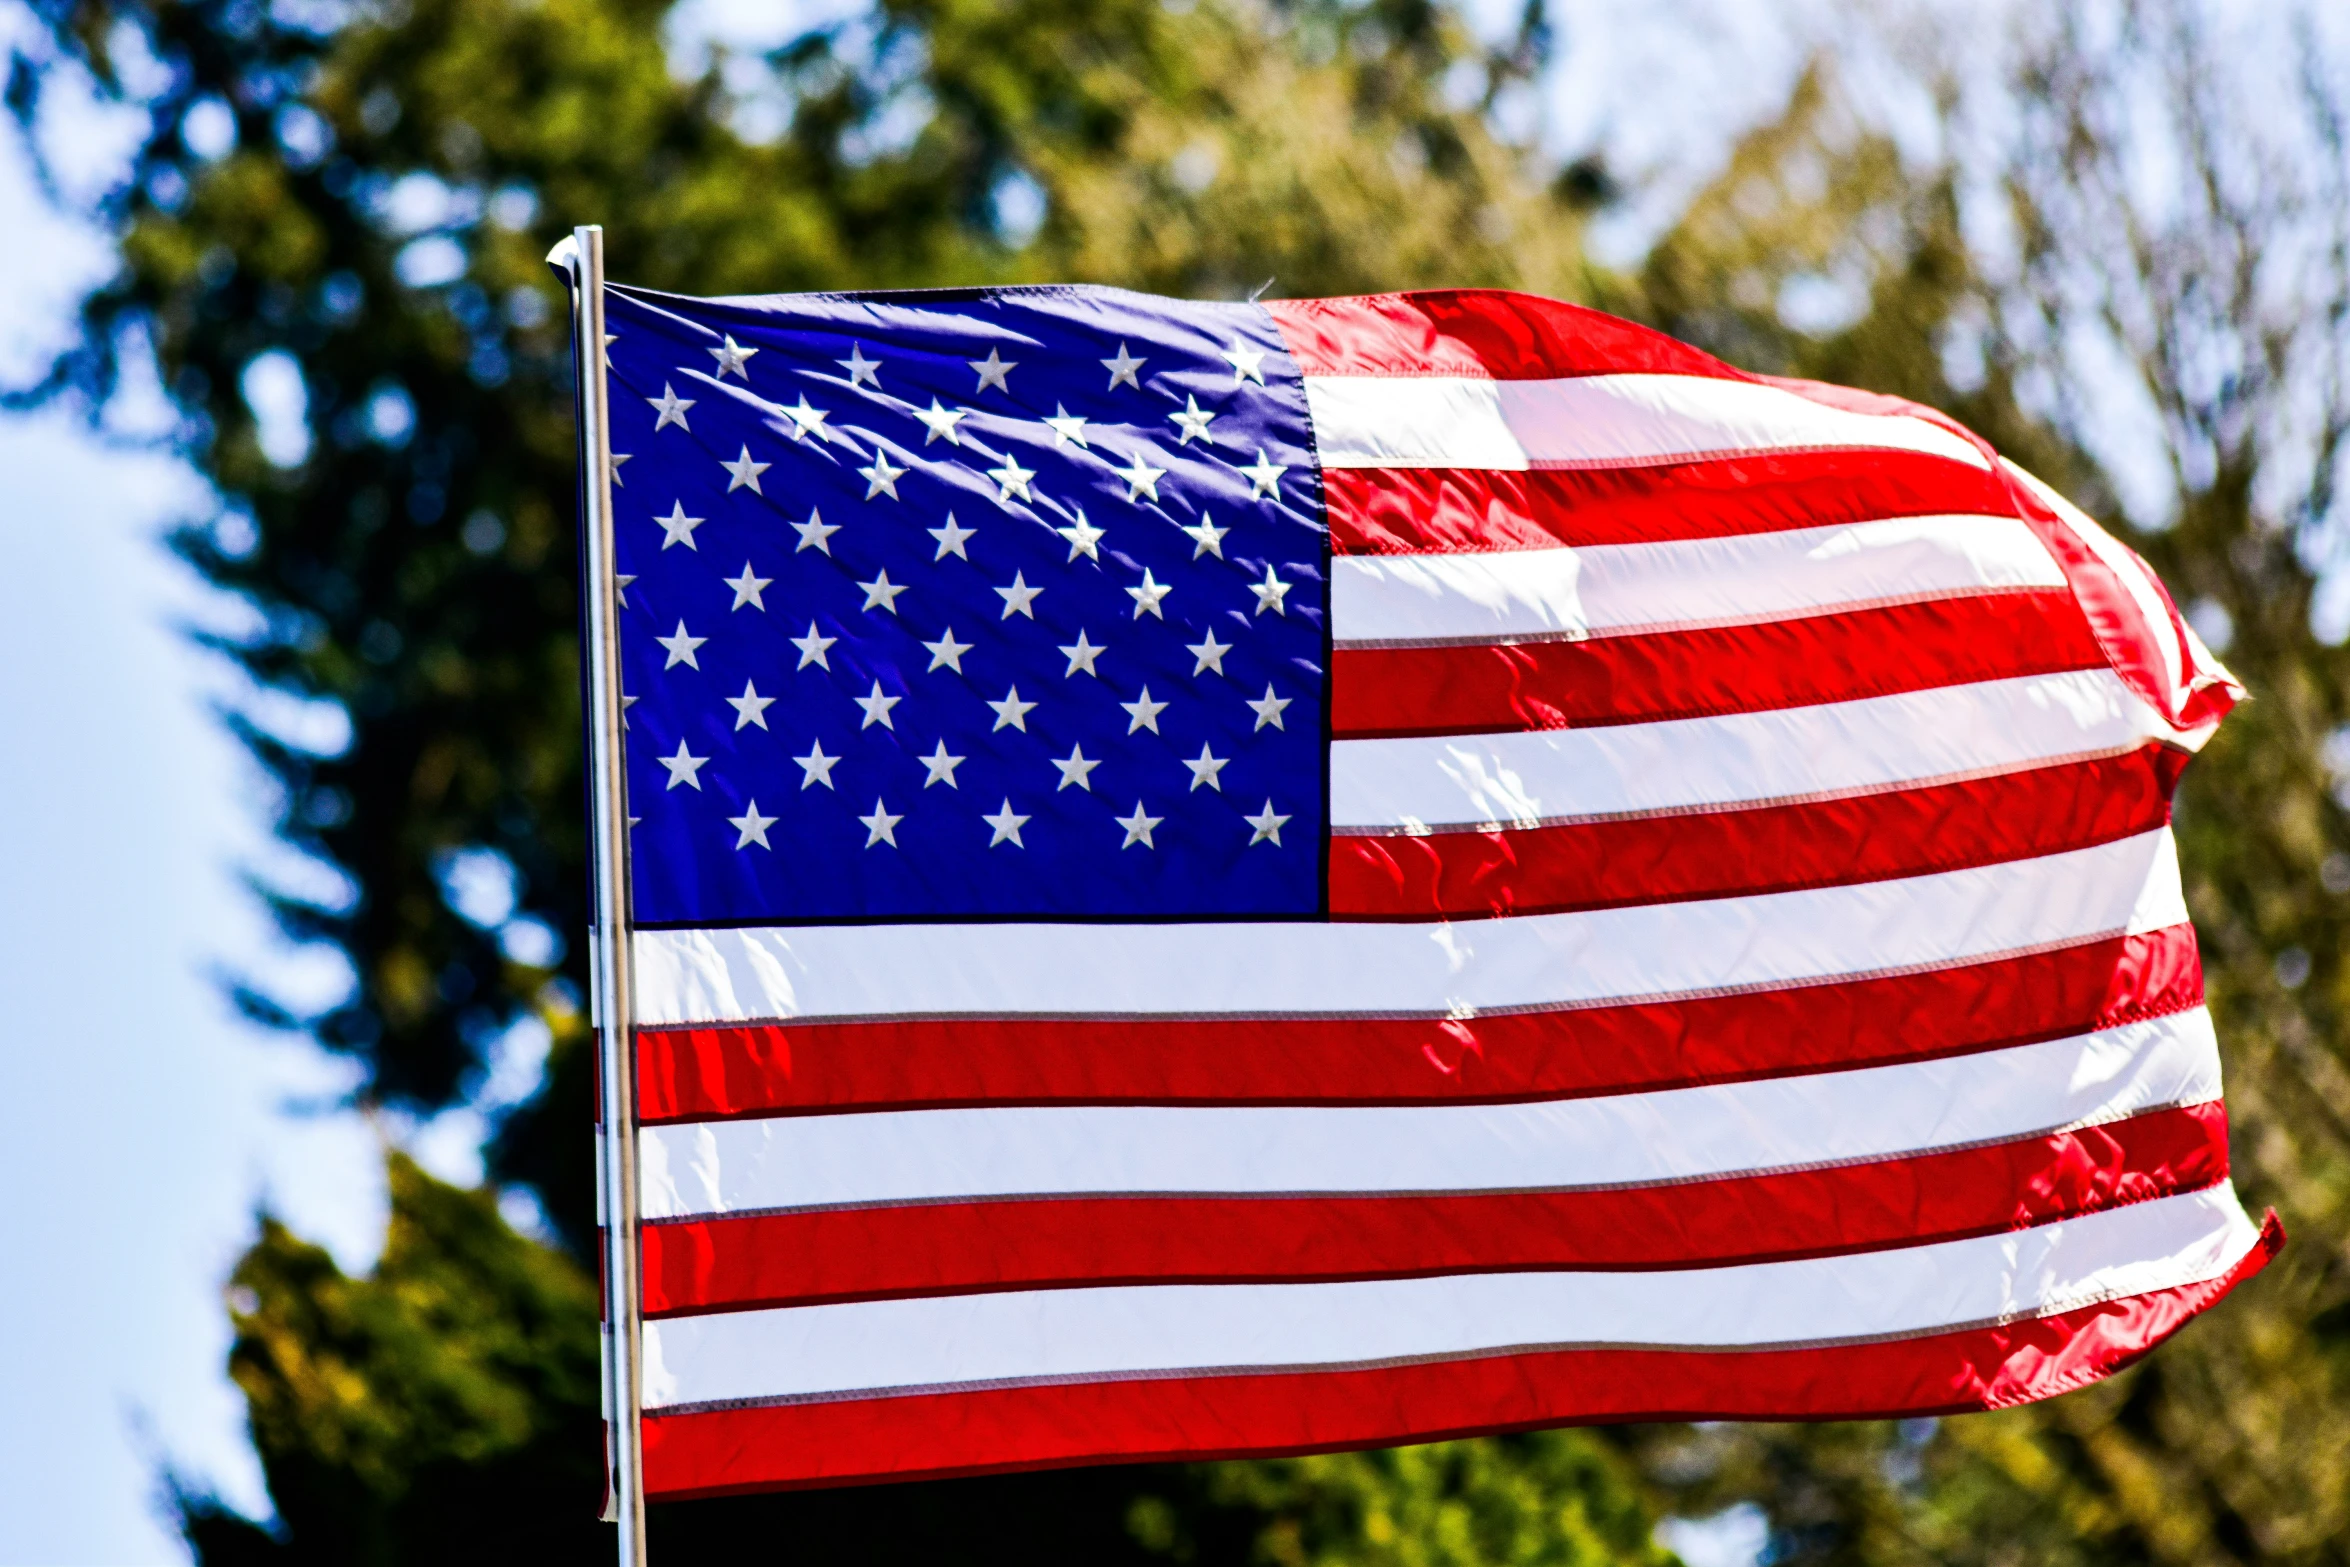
{"type": "Point", "coordinates": [880, 827]}
{"type": "Point", "coordinates": [1066, 427]}
{"type": "Point", "coordinates": [672, 409]}
{"type": "Point", "coordinates": [1081, 655]}
{"type": "Point", "coordinates": [993, 370]}
{"type": "Point", "coordinates": [752, 826]}
{"type": "Point", "coordinates": [1268, 708]}
{"type": "Point", "coordinates": [1267, 825]}
{"type": "Point", "coordinates": [1006, 825]}
{"type": "Point", "coordinates": [1122, 369]}
{"type": "Point", "coordinates": [731, 359]}
{"type": "Point", "coordinates": [1011, 712]}
{"type": "Point", "coordinates": [805, 420]}
{"type": "Point", "coordinates": [941, 423]}
{"type": "Point", "coordinates": [678, 528]}
{"type": "Point", "coordinates": [1138, 827]}
{"type": "Point", "coordinates": [1082, 537]}
{"type": "Point", "coordinates": [816, 766]}
{"type": "Point", "coordinates": [683, 766]}
{"type": "Point", "coordinates": [882, 592]}
{"type": "Point", "coordinates": [1013, 478]}
{"type": "Point", "coordinates": [812, 649]}
{"type": "Point", "coordinates": [1264, 476]}
{"type": "Point", "coordinates": [1205, 767]}
{"type": "Point", "coordinates": [743, 472]}
{"type": "Point", "coordinates": [946, 652]}
{"type": "Point", "coordinates": [1193, 421]}
{"type": "Point", "coordinates": [1146, 598]}
{"type": "Point", "coordinates": [617, 459]}
{"type": "Point", "coordinates": [950, 538]}
{"type": "Point", "coordinates": [882, 478]}
{"type": "Point", "coordinates": [1270, 592]}
{"type": "Point", "coordinates": [860, 368]}
{"type": "Point", "coordinates": [626, 702]}
{"type": "Point", "coordinates": [1074, 768]}
{"type": "Point", "coordinates": [747, 588]}
{"type": "Point", "coordinates": [681, 648]}
{"type": "Point", "coordinates": [877, 707]}
{"type": "Point", "coordinates": [941, 767]}
{"type": "Point", "coordinates": [620, 582]}
{"type": "Point", "coordinates": [1141, 479]}
{"type": "Point", "coordinates": [750, 707]}
{"type": "Point", "coordinates": [1018, 597]}
{"type": "Point", "coordinates": [1246, 363]}
{"type": "Point", "coordinates": [1207, 539]}
{"type": "Point", "coordinates": [1144, 712]}
{"type": "Point", "coordinates": [814, 532]}
{"type": "Point", "coordinates": [1209, 652]}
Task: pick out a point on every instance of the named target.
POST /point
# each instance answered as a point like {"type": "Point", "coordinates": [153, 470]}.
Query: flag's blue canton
{"type": "Point", "coordinates": [996, 604]}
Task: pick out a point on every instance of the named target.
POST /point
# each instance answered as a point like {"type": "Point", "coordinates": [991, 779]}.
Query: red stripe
{"type": "Point", "coordinates": [959, 1248]}
{"type": "Point", "coordinates": [1378, 692]}
{"type": "Point", "coordinates": [1439, 511]}
{"type": "Point", "coordinates": [999, 1429]}
{"type": "Point", "coordinates": [695, 1074]}
{"type": "Point", "coordinates": [1478, 332]}
{"type": "Point", "coordinates": [1771, 848]}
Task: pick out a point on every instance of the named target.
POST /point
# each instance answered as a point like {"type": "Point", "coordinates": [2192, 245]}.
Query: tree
{"type": "Point", "coordinates": [442, 1409]}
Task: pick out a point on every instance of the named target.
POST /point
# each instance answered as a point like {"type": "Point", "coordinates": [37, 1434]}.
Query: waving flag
{"type": "Point", "coordinates": [1216, 879]}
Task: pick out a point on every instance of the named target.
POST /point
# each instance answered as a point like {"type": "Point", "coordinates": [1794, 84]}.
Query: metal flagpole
{"type": "Point", "coordinates": [608, 810]}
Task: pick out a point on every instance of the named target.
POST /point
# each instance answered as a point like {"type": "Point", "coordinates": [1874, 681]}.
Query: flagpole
{"type": "Point", "coordinates": [608, 825]}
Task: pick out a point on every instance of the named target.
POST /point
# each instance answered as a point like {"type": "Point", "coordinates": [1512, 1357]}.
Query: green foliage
{"type": "Point", "coordinates": [441, 1409]}
{"type": "Point", "coordinates": [1550, 1499]}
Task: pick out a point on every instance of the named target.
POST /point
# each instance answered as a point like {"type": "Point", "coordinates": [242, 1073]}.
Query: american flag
{"type": "Point", "coordinates": [1216, 878]}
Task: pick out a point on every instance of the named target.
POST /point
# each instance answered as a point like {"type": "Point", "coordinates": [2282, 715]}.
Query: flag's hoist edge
{"type": "Point", "coordinates": [1891, 1095]}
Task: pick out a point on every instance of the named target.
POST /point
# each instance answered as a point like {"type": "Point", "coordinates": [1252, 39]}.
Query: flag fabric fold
{"type": "Point", "coordinates": [1216, 879]}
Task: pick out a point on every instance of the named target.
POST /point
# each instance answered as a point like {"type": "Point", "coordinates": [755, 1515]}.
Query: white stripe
{"type": "Point", "coordinates": [1587, 421]}
{"type": "Point", "coordinates": [1615, 589]}
{"type": "Point", "coordinates": [1313, 969]}
{"type": "Point", "coordinates": [1130, 1330]}
{"type": "Point", "coordinates": [1680, 1134]}
{"type": "Point", "coordinates": [1549, 775]}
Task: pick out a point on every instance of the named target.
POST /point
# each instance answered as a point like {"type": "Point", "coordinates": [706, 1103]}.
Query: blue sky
{"type": "Point", "coordinates": [139, 1121]}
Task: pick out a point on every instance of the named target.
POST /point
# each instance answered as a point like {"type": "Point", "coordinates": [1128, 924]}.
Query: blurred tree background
{"type": "Point", "coordinates": [2118, 248]}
